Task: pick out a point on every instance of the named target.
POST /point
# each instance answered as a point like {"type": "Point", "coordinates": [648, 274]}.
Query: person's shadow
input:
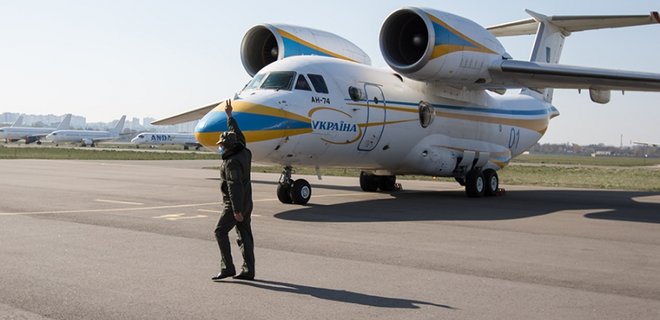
{"type": "Point", "coordinates": [341, 295]}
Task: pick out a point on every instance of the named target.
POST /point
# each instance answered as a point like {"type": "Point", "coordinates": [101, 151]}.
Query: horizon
{"type": "Point", "coordinates": [163, 59]}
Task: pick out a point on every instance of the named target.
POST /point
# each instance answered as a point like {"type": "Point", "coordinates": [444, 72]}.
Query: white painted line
{"type": "Point", "coordinates": [211, 211]}
{"type": "Point", "coordinates": [120, 202]}
{"type": "Point", "coordinates": [216, 211]}
{"type": "Point", "coordinates": [317, 196]}
{"type": "Point", "coordinates": [110, 210]}
{"type": "Point", "coordinates": [179, 216]}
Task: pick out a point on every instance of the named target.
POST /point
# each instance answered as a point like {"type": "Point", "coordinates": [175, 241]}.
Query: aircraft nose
{"type": "Point", "coordinates": [209, 128]}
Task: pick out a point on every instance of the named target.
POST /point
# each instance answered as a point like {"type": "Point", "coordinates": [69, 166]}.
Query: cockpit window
{"type": "Point", "coordinates": [141, 136]}
{"type": "Point", "coordinates": [302, 84]}
{"type": "Point", "coordinates": [318, 83]}
{"type": "Point", "coordinates": [279, 80]}
{"type": "Point", "coordinates": [256, 81]}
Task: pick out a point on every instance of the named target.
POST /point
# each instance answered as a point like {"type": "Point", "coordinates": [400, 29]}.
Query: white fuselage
{"type": "Point", "coordinates": [15, 133]}
{"type": "Point", "coordinates": [86, 136]}
{"type": "Point", "coordinates": [155, 138]}
{"type": "Point", "coordinates": [381, 130]}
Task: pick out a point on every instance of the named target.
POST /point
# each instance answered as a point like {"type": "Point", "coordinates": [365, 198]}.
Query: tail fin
{"type": "Point", "coordinates": [552, 30]}
{"type": "Point", "coordinates": [66, 123]}
{"type": "Point", "coordinates": [18, 122]}
{"type": "Point", "coordinates": [119, 127]}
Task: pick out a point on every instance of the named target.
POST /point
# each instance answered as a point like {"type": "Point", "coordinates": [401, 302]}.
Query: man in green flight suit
{"type": "Point", "coordinates": [236, 191]}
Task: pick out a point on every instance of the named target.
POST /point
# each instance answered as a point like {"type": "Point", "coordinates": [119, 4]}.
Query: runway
{"type": "Point", "coordinates": [133, 240]}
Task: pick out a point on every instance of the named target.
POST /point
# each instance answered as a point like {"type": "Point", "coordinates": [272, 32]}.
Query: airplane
{"type": "Point", "coordinates": [18, 122]}
{"type": "Point", "coordinates": [87, 137]}
{"type": "Point", "coordinates": [647, 144]}
{"type": "Point", "coordinates": [158, 138]}
{"type": "Point", "coordinates": [314, 100]}
{"type": "Point", "coordinates": [30, 134]}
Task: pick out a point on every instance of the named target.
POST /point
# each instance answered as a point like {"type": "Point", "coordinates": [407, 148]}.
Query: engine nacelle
{"type": "Point", "coordinates": [267, 43]}
{"type": "Point", "coordinates": [431, 45]}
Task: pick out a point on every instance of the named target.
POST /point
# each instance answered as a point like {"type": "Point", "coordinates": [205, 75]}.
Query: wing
{"type": "Point", "coordinates": [191, 115]}
{"type": "Point", "coordinates": [525, 74]}
{"type": "Point", "coordinates": [572, 23]}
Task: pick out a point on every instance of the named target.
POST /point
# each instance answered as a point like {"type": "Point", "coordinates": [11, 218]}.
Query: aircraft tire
{"type": "Point", "coordinates": [475, 185]}
{"type": "Point", "coordinates": [301, 191]}
{"type": "Point", "coordinates": [284, 193]}
{"type": "Point", "coordinates": [387, 183]}
{"type": "Point", "coordinates": [368, 182]}
{"type": "Point", "coordinates": [492, 182]}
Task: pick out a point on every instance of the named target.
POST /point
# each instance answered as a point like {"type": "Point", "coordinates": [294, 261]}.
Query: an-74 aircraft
{"type": "Point", "coordinates": [314, 100]}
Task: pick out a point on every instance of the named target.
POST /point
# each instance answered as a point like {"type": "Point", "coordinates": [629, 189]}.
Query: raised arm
{"type": "Point", "coordinates": [232, 124]}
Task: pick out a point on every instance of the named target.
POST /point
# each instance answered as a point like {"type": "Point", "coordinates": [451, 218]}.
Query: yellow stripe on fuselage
{"type": "Point", "coordinates": [538, 125]}
{"type": "Point", "coordinates": [248, 107]}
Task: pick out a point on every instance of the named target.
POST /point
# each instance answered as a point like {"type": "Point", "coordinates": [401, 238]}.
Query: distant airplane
{"type": "Point", "coordinates": [30, 134]}
{"type": "Point", "coordinates": [87, 137]}
{"type": "Point", "coordinates": [314, 99]}
{"type": "Point", "coordinates": [18, 122]}
{"type": "Point", "coordinates": [187, 140]}
{"type": "Point", "coordinates": [655, 145]}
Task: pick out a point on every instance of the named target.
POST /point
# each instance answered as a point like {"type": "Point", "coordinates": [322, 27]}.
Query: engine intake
{"type": "Point", "coordinates": [266, 43]}
{"type": "Point", "coordinates": [427, 45]}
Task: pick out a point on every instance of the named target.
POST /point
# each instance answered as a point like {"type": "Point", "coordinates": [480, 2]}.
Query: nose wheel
{"type": "Point", "coordinates": [293, 191]}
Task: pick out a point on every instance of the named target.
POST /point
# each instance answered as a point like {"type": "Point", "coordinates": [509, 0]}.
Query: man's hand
{"type": "Point", "coordinates": [228, 108]}
{"type": "Point", "coordinates": [238, 216]}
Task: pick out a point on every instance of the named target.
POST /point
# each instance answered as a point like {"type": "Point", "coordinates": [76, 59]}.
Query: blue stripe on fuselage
{"type": "Point", "coordinates": [217, 122]}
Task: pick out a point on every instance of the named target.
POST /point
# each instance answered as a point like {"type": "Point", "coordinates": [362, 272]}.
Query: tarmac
{"type": "Point", "coordinates": [134, 240]}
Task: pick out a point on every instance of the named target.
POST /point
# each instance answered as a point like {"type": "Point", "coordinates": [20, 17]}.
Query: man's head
{"type": "Point", "coordinates": [228, 140]}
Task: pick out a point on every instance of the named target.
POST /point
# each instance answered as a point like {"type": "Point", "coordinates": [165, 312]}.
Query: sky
{"type": "Point", "coordinates": [149, 58]}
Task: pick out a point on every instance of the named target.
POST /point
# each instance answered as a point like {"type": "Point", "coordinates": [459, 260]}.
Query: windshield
{"type": "Point", "coordinates": [256, 81]}
{"type": "Point", "coordinates": [279, 80]}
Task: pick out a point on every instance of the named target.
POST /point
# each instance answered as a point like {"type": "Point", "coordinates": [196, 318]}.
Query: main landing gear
{"type": "Point", "coordinates": [372, 183]}
{"type": "Point", "coordinates": [290, 191]}
{"type": "Point", "coordinates": [480, 183]}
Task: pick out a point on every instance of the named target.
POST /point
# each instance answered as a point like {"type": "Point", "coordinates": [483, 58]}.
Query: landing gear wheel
{"type": "Point", "coordinates": [475, 186]}
{"type": "Point", "coordinates": [368, 182]}
{"type": "Point", "coordinates": [387, 183]}
{"type": "Point", "coordinates": [492, 182]}
{"type": "Point", "coordinates": [300, 191]}
{"type": "Point", "coordinates": [283, 193]}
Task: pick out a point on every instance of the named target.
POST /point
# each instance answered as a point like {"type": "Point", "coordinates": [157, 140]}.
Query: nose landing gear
{"type": "Point", "coordinates": [293, 191]}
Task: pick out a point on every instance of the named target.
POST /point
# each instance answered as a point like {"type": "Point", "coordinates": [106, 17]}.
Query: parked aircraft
{"type": "Point", "coordinates": [87, 137]}
{"type": "Point", "coordinates": [314, 100]}
{"type": "Point", "coordinates": [187, 140]}
{"type": "Point", "coordinates": [18, 122]}
{"type": "Point", "coordinates": [30, 134]}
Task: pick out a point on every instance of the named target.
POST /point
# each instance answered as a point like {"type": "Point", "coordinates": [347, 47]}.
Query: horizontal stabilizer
{"type": "Point", "coordinates": [525, 74]}
{"type": "Point", "coordinates": [570, 24]}
{"type": "Point", "coordinates": [191, 115]}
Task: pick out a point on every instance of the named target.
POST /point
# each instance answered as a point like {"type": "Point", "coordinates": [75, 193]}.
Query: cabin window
{"type": "Point", "coordinates": [318, 83]}
{"type": "Point", "coordinates": [302, 84]}
{"type": "Point", "coordinates": [426, 114]}
{"type": "Point", "coordinates": [355, 93]}
{"type": "Point", "coordinates": [280, 80]}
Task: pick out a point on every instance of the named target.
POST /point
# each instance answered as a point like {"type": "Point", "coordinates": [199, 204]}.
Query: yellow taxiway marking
{"type": "Point", "coordinates": [120, 202]}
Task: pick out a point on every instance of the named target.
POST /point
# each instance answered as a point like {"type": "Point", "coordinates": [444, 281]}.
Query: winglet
{"type": "Point", "coordinates": [655, 16]}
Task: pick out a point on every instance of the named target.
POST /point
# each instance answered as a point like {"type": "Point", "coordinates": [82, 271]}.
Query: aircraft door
{"type": "Point", "coordinates": [376, 114]}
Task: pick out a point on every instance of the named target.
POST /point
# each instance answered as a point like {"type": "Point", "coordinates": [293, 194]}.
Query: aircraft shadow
{"type": "Point", "coordinates": [341, 295]}
{"type": "Point", "coordinates": [455, 206]}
